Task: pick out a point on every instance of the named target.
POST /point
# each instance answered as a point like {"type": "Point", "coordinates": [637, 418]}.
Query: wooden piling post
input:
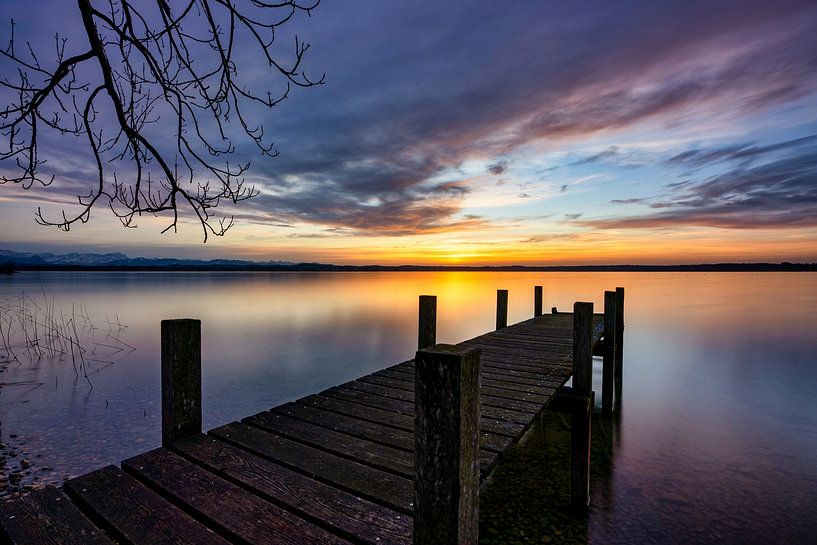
{"type": "Point", "coordinates": [580, 420]}
{"type": "Point", "coordinates": [619, 350]}
{"type": "Point", "coordinates": [582, 348]}
{"type": "Point", "coordinates": [427, 330]}
{"type": "Point", "coordinates": [446, 438]}
{"type": "Point", "coordinates": [181, 379]}
{"type": "Point", "coordinates": [537, 301]}
{"type": "Point", "coordinates": [619, 329]}
{"type": "Point", "coordinates": [501, 309]}
{"type": "Point", "coordinates": [609, 355]}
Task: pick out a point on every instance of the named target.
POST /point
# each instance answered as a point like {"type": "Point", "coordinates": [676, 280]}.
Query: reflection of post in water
{"type": "Point", "coordinates": [604, 444]}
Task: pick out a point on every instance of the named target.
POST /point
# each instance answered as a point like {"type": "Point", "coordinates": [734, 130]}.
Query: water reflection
{"type": "Point", "coordinates": [716, 438]}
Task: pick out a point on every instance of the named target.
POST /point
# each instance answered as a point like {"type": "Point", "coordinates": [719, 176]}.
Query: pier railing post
{"type": "Point", "coordinates": [446, 455]}
{"type": "Point", "coordinates": [181, 379]}
{"type": "Point", "coordinates": [582, 348]}
{"type": "Point", "coordinates": [609, 355]}
{"type": "Point", "coordinates": [619, 328]}
{"type": "Point", "coordinates": [619, 365]}
{"type": "Point", "coordinates": [580, 421]}
{"type": "Point", "coordinates": [501, 309]}
{"type": "Point", "coordinates": [537, 301]}
{"type": "Point", "coordinates": [427, 330]}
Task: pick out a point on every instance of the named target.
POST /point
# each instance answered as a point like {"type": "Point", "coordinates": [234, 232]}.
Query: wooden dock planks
{"type": "Point", "coordinates": [334, 467]}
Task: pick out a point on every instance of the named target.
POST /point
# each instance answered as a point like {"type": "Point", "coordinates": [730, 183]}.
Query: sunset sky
{"type": "Point", "coordinates": [484, 132]}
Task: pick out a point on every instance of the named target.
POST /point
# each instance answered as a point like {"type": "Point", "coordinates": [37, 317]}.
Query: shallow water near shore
{"type": "Point", "coordinates": [716, 441]}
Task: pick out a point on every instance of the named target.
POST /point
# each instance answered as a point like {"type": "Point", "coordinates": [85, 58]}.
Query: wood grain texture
{"type": "Point", "coordinates": [133, 513]}
{"type": "Point", "coordinates": [234, 511]}
{"type": "Point", "coordinates": [181, 379]}
{"type": "Point", "coordinates": [349, 515]}
{"type": "Point", "coordinates": [358, 449]}
{"type": "Point", "coordinates": [446, 486]}
{"type": "Point", "coordinates": [382, 487]}
{"type": "Point", "coordinates": [47, 517]}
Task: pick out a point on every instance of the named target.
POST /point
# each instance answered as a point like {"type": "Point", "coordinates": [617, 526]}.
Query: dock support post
{"type": "Point", "coordinates": [537, 301]}
{"type": "Point", "coordinates": [427, 330]}
{"type": "Point", "coordinates": [181, 379]}
{"type": "Point", "coordinates": [609, 355]}
{"type": "Point", "coordinates": [446, 438]}
{"type": "Point", "coordinates": [619, 347]}
{"type": "Point", "coordinates": [619, 328]}
{"type": "Point", "coordinates": [580, 421]}
{"type": "Point", "coordinates": [501, 309]}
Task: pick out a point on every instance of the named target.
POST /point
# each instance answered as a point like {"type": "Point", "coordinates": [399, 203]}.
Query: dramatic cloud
{"type": "Point", "coordinates": [379, 160]}
{"type": "Point", "coordinates": [777, 194]}
{"type": "Point", "coordinates": [739, 152]}
{"type": "Point", "coordinates": [418, 115]}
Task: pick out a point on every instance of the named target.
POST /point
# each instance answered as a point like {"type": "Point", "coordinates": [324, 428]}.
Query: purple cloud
{"type": "Point", "coordinates": [409, 96]}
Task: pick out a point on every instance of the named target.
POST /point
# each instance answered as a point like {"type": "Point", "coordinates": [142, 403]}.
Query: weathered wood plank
{"type": "Point", "coordinates": [47, 517]}
{"type": "Point", "coordinates": [360, 450]}
{"type": "Point", "coordinates": [494, 380]}
{"type": "Point", "coordinates": [234, 511]}
{"type": "Point", "coordinates": [544, 386]}
{"type": "Point", "coordinates": [360, 395]}
{"type": "Point", "coordinates": [380, 390]}
{"type": "Point", "coordinates": [349, 515]}
{"type": "Point", "coordinates": [488, 386]}
{"type": "Point", "coordinates": [134, 514]}
{"type": "Point", "coordinates": [326, 401]}
{"type": "Point", "coordinates": [370, 400]}
{"type": "Point", "coordinates": [487, 400]}
{"type": "Point", "coordinates": [379, 486]}
{"type": "Point", "coordinates": [390, 382]}
{"type": "Point", "coordinates": [495, 431]}
{"type": "Point", "coordinates": [356, 427]}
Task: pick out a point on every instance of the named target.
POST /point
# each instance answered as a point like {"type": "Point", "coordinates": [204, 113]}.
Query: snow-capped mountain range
{"type": "Point", "coordinates": [118, 259]}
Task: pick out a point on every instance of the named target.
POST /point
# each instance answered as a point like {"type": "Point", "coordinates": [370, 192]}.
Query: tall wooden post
{"type": "Point", "coordinates": [609, 355]}
{"type": "Point", "coordinates": [582, 348]}
{"type": "Point", "coordinates": [619, 329]}
{"type": "Point", "coordinates": [619, 380]}
{"type": "Point", "coordinates": [427, 330]}
{"type": "Point", "coordinates": [501, 309]}
{"type": "Point", "coordinates": [580, 421]}
{"type": "Point", "coordinates": [537, 300]}
{"type": "Point", "coordinates": [446, 439]}
{"type": "Point", "coordinates": [181, 379]}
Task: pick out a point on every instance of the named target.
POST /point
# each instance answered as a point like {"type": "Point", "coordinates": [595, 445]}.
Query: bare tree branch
{"type": "Point", "coordinates": [148, 64]}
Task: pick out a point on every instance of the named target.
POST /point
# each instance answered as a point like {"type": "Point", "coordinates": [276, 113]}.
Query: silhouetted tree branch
{"type": "Point", "coordinates": [147, 63]}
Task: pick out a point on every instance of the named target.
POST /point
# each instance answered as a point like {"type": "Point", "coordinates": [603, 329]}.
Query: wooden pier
{"type": "Point", "coordinates": [395, 457]}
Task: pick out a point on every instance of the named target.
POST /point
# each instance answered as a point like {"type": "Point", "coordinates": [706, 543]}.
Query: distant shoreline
{"type": "Point", "coordinates": [320, 267]}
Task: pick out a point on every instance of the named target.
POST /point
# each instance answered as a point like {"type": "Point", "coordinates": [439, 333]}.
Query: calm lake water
{"type": "Point", "coordinates": [717, 436]}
